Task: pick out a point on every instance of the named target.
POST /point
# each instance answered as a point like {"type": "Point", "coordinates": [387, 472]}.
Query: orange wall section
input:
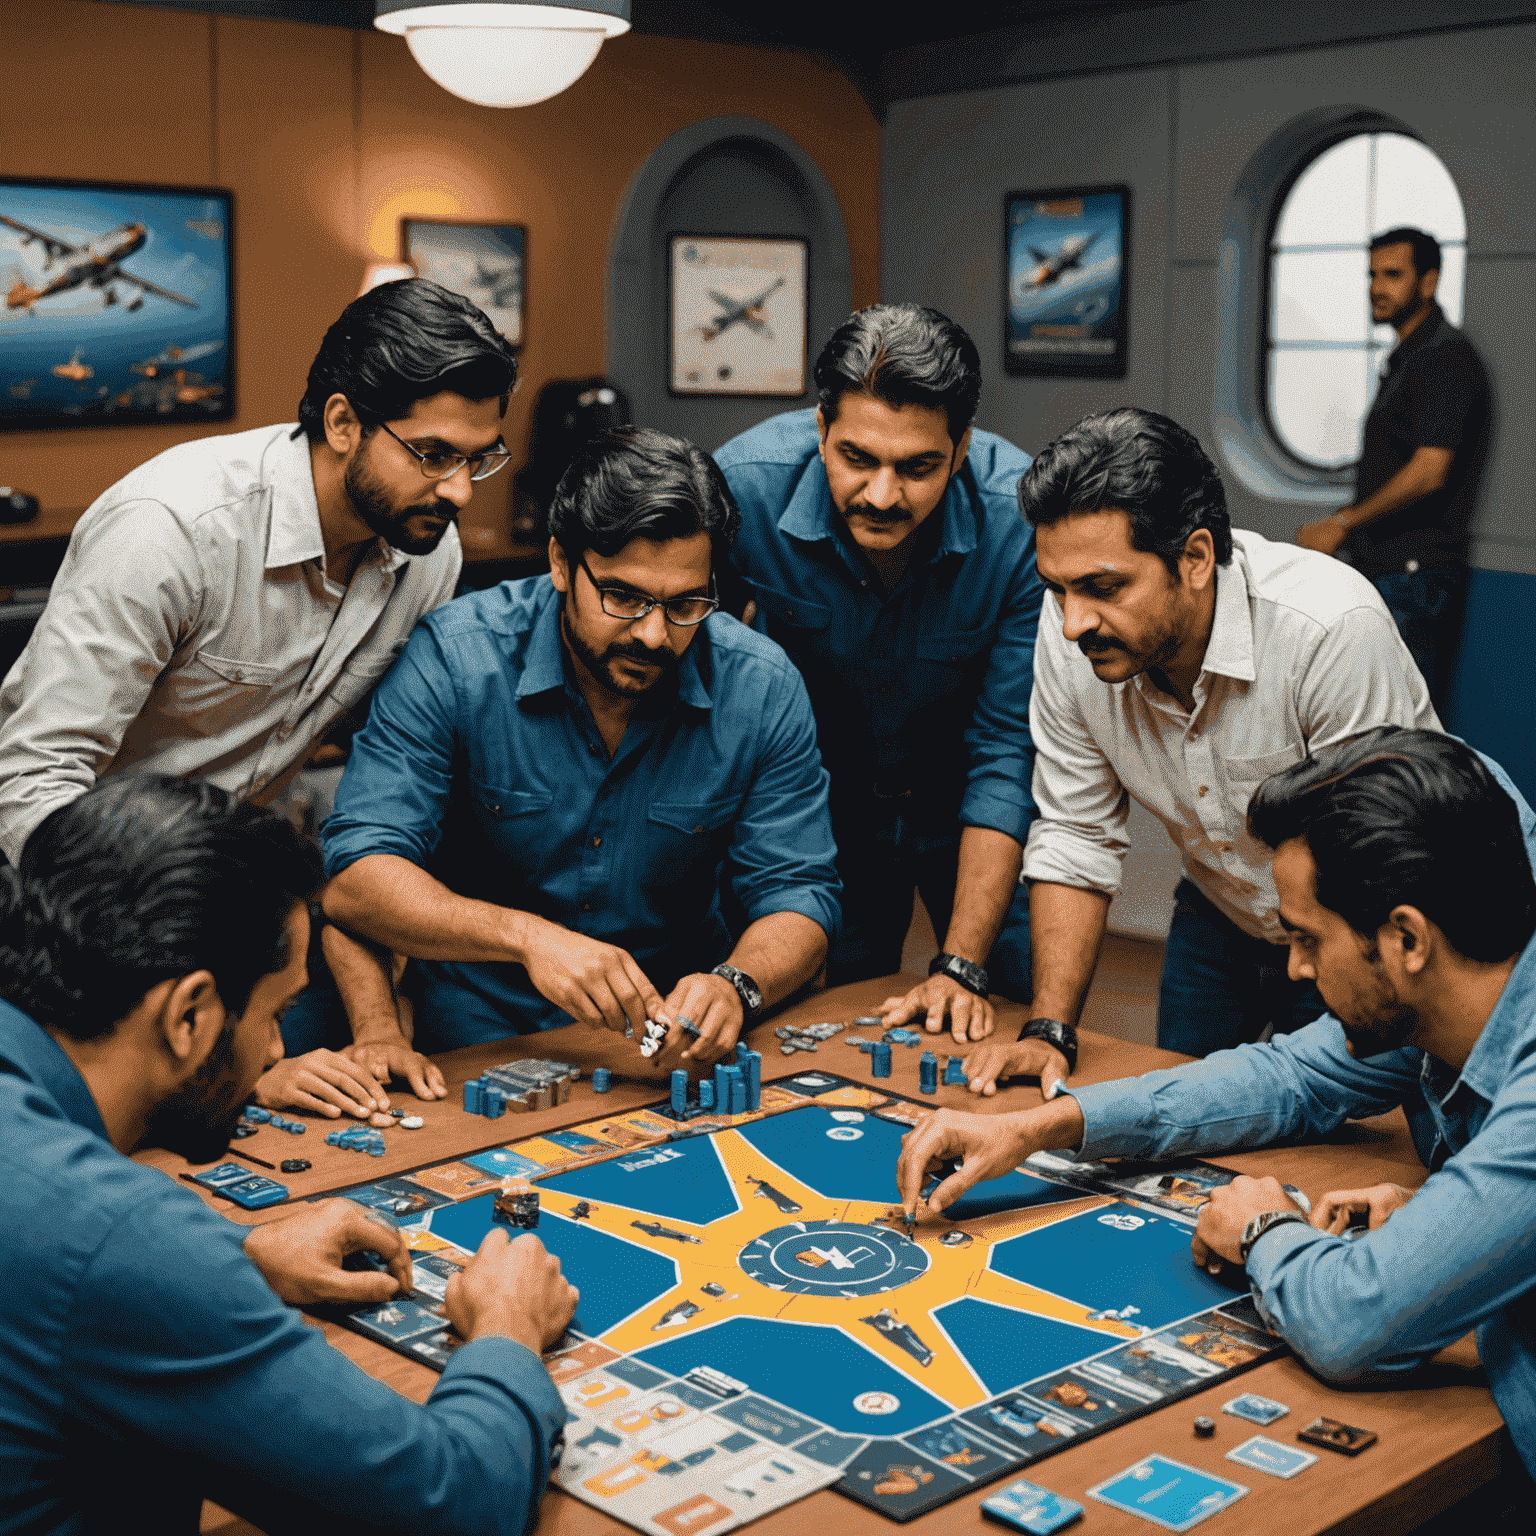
{"type": "Point", "coordinates": [328, 137]}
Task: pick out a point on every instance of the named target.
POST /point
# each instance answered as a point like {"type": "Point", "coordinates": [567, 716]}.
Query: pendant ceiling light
{"type": "Point", "coordinates": [503, 55]}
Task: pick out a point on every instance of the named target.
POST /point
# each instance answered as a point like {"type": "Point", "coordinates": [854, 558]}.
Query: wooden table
{"type": "Point", "coordinates": [1439, 1441]}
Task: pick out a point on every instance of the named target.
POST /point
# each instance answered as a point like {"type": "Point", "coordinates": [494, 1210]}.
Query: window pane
{"type": "Point", "coordinates": [1320, 296]}
{"type": "Point", "coordinates": [1317, 401]}
{"type": "Point", "coordinates": [1414, 188]}
{"type": "Point", "coordinates": [1328, 204]}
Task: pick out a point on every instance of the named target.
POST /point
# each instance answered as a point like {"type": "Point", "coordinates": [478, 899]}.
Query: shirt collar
{"type": "Point", "coordinates": [544, 659]}
{"type": "Point", "coordinates": [295, 535]}
{"type": "Point", "coordinates": [32, 1053]}
{"type": "Point", "coordinates": [810, 513]}
{"type": "Point", "coordinates": [1508, 1031]}
{"type": "Point", "coordinates": [1420, 336]}
{"type": "Point", "coordinates": [1229, 651]}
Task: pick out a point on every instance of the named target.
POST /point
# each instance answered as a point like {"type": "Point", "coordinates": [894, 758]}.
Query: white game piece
{"type": "Point", "coordinates": [412, 1122]}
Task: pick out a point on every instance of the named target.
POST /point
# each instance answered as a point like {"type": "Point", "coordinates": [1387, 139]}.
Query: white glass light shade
{"type": "Point", "coordinates": [384, 272]}
{"type": "Point", "coordinates": [503, 55]}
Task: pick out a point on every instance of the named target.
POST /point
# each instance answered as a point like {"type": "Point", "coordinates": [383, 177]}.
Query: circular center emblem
{"type": "Point", "coordinates": [832, 1258]}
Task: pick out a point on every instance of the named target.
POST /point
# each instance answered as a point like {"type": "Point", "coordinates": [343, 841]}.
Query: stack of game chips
{"type": "Point", "coordinates": [358, 1138]}
{"type": "Point", "coordinates": [880, 1060]}
{"type": "Point", "coordinates": [928, 1072]}
{"type": "Point", "coordinates": [602, 1080]}
{"type": "Point", "coordinates": [954, 1072]}
{"type": "Point", "coordinates": [655, 1038]}
{"type": "Point", "coordinates": [751, 1064]}
{"type": "Point", "coordinates": [293, 1127]}
{"type": "Point", "coordinates": [706, 1093]}
{"type": "Point", "coordinates": [680, 1090]}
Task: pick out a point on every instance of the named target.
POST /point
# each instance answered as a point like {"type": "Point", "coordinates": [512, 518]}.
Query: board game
{"type": "Point", "coordinates": [754, 1325]}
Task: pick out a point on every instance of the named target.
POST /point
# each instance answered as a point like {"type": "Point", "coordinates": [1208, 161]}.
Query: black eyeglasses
{"type": "Point", "coordinates": [626, 603]}
{"type": "Point", "coordinates": [439, 466]}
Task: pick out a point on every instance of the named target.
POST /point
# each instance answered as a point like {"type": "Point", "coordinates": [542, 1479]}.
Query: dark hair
{"type": "Point", "coordinates": [903, 354]}
{"type": "Point", "coordinates": [400, 343]}
{"type": "Point", "coordinates": [1426, 249]}
{"type": "Point", "coordinates": [145, 878]}
{"type": "Point", "coordinates": [1397, 817]}
{"type": "Point", "coordinates": [1135, 462]}
{"type": "Point", "coordinates": [638, 483]}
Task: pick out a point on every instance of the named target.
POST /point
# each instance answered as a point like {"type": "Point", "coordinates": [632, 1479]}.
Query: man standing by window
{"type": "Point", "coordinates": [1425, 441]}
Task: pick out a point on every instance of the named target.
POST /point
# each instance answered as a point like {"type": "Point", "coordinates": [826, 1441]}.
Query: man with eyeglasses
{"type": "Point", "coordinates": [560, 773]}
{"type": "Point", "coordinates": [224, 605]}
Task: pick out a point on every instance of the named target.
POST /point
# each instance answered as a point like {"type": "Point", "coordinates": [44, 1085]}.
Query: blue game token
{"type": "Point", "coordinates": [602, 1080]}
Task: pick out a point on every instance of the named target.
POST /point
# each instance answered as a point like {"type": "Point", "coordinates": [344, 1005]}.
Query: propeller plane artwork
{"type": "Point", "coordinates": [1067, 255]}
{"type": "Point", "coordinates": [747, 312]}
{"type": "Point", "coordinates": [97, 264]}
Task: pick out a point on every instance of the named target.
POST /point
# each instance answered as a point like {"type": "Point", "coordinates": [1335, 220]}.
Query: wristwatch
{"type": "Point", "coordinates": [971, 976]}
{"type": "Point", "coordinates": [1054, 1033]}
{"type": "Point", "coordinates": [1259, 1226]}
{"type": "Point", "coordinates": [747, 990]}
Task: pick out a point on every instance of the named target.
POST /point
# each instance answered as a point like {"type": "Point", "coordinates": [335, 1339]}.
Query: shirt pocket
{"type": "Point", "coordinates": [688, 837]}
{"type": "Point", "coordinates": [1253, 770]}
{"type": "Point", "coordinates": [794, 621]}
{"type": "Point", "coordinates": [213, 693]}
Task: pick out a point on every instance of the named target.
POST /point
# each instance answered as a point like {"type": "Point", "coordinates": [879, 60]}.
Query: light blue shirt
{"type": "Point", "coordinates": [1458, 1256]}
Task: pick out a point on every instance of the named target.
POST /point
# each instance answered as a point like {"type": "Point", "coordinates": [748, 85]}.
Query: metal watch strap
{"type": "Point", "coordinates": [1264, 1222]}
{"type": "Point", "coordinates": [971, 976]}
{"type": "Point", "coordinates": [747, 990]}
{"type": "Point", "coordinates": [1055, 1033]}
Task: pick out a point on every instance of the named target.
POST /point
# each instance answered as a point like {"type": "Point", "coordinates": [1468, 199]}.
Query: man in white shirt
{"type": "Point", "coordinates": [222, 606]}
{"type": "Point", "coordinates": [1180, 664]}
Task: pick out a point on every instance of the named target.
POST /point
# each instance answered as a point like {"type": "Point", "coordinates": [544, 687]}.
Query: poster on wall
{"type": "Point", "coordinates": [117, 304]}
{"type": "Point", "coordinates": [484, 263]}
{"type": "Point", "coordinates": [1064, 295]}
{"type": "Point", "coordinates": [738, 316]}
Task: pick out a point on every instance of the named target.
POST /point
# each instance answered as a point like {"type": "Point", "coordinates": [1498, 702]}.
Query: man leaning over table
{"type": "Point", "coordinates": [1402, 861]}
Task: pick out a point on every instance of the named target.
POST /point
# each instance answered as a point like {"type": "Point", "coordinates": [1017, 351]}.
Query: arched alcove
{"type": "Point", "coordinates": [724, 176]}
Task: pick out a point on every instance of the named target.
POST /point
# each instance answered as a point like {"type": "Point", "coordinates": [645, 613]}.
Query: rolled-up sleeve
{"type": "Point", "coordinates": [128, 592]}
{"type": "Point", "coordinates": [176, 1337]}
{"type": "Point", "coordinates": [782, 857]}
{"type": "Point", "coordinates": [998, 742]}
{"type": "Point", "coordinates": [399, 778]}
{"type": "Point", "coordinates": [1080, 836]}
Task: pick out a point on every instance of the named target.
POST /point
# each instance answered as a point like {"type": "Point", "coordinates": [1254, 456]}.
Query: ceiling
{"type": "Point", "coordinates": [856, 34]}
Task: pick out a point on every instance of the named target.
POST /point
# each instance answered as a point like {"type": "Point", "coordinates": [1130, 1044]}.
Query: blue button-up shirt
{"type": "Point", "coordinates": [899, 680]}
{"type": "Point", "coordinates": [144, 1354]}
{"type": "Point", "coordinates": [482, 762]}
{"type": "Point", "coordinates": [1458, 1256]}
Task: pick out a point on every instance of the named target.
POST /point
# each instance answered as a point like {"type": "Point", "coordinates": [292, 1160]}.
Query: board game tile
{"type": "Point", "coordinates": [831, 1449]}
{"type": "Point", "coordinates": [505, 1161]}
{"type": "Point", "coordinates": [958, 1446]}
{"type": "Point", "coordinates": [776, 1097]}
{"type": "Point", "coordinates": [898, 1481]}
{"type": "Point", "coordinates": [571, 1363]}
{"type": "Point", "coordinates": [456, 1180]}
{"type": "Point", "coordinates": [639, 1128]}
{"type": "Point", "coordinates": [548, 1154]}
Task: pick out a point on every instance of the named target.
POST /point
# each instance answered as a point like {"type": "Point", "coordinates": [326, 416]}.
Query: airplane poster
{"type": "Point", "coordinates": [484, 263]}
{"type": "Point", "coordinates": [1064, 307]}
{"type": "Point", "coordinates": [116, 304]}
{"type": "Point", "coordinates": [738, 307]}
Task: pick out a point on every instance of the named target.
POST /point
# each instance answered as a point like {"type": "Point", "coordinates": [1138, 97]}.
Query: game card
{"type": "Point", "coordinates": [1028, 1507]}
{"type": "Point", "coordinates": [1346, 1439]}
{"type": "Point", "coordinates": [1168, 1493]}
{"type": "Point", "coordinates": [1256, 1409]}
{"type": "Point", "coordinates": [1266, 1455]}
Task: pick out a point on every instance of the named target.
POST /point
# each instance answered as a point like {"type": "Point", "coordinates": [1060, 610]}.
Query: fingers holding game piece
{"type": "Point", "coordinates": [512, 1288]}
{"type": "Point", "coordinates": [321, 1082]}
{"type": "Point", "coordinates": [302, 1256]}
{"type": "Point", "coordinates": [713, 1008]}
{"type": "Point", "coordinates": [997, 1060]}
{"type": "Point", "coordinates": [596, 983]}
{"type": "Point", "coordinates": [985, 1143]}
{"type": "Point", "coordinates": [1229, 1208]}
{"type": "Point", "coordinates": [942, 1002]}
{"type": "Point", "coordinates": [1341, 1209]}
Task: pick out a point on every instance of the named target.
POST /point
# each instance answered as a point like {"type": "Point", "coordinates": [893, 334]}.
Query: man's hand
{"type": "Point", "coordinates": [713, 1006]}
{"type": "Point", "coordinates": [970, 1017]}
{"type": "Point", "coordinates": [1332, 1212]}
{"type": "Point", "coordinates": [384, 1056]}
{"type": "Point", "coordinates": [300, 1256]}
{"type": "Point", "coordinates": [1324, 536]}
{"type": "Point", "coordinates": [513, 1288]}
{"type": "Point", "coordinates": [1230, 1209]}
{"type": "Point", "coordinates": [595, 983]}
{"type": "Point", "coordinates": [988, 1145]}
{"type": "Point", "coordinates": [323, 1083]}
{"type": "Point", "coordinates": [998, 1059]}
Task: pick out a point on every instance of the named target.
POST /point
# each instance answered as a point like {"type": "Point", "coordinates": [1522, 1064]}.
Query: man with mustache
{"type": "Point", "coordinates": [224, 605]}
{"type": "Point", "coordinates": [1421, 457]}
{"type": "Point", "coordinates": [154, 1352]}
{"type": "Point", "coordinates": [558, 773]}
{"type": "Point", "coordinates": [1181, 663]}
{"type": "Point", "coordinates": [1402, 862]}
{"type": "Point", "coordinates": [882, 548]}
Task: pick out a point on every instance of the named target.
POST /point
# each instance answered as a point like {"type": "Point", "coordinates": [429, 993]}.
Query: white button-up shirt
{"type": "Point", "coordinates": [1302, 653]}
{"type": "Point", "coordinates": [192, 630]}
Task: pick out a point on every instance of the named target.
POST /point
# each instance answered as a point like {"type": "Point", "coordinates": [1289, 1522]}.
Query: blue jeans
{"type": "Point", "coordinates": [882, 860]}
{"type": "Point", "coordinates": [1220, 987]}
{"type": "Point", "coordinates": [1427, 608]}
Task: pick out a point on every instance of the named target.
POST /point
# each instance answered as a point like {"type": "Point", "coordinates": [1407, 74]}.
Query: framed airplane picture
{"type": "Point", "coordinates": [737, 307]}
{"type": "Point", "coordinates": [484, 263]}
{"type": "Point", "coordinates": [117, 304]}
{"type": "Point", "coordinates": [1065, 260]}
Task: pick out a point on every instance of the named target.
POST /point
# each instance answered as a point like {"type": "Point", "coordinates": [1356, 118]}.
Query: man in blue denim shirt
{"type": "Point", "coordinates": [150, 937]}
{"type": "Point", "coordinates": [882, 545]}
{"type": "Point", "coordinates": [1403, 862]}
{"type": "Point", "coordinates": [557, 772]}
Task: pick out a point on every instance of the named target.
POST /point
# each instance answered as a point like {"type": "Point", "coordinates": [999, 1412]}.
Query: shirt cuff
{"type": "Point", "coordinates": [1268, 1256]}
{"type": "Point", "coordinates": [822, 910]}
{"type": "Point", "coordinates": [1118, 1119]}
{"type": "Point", "coordinates": [1056, 855]}
{"type": "Point", "coordinates": [988, 804]}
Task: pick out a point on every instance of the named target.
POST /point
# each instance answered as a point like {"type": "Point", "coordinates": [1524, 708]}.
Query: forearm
{"type": "Point", "coordinates": [364, 976]}
{"type": "Point", "coordinates": [987, 877]}
{"type": "Point", "coordinates": [396, 903]}
{"type": "Point", "coordinates": [1066, 928]}
{"type": "Point", "coordinates": [780, 952]}
{"type": "Point", "coordinates": [1422, 475]}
